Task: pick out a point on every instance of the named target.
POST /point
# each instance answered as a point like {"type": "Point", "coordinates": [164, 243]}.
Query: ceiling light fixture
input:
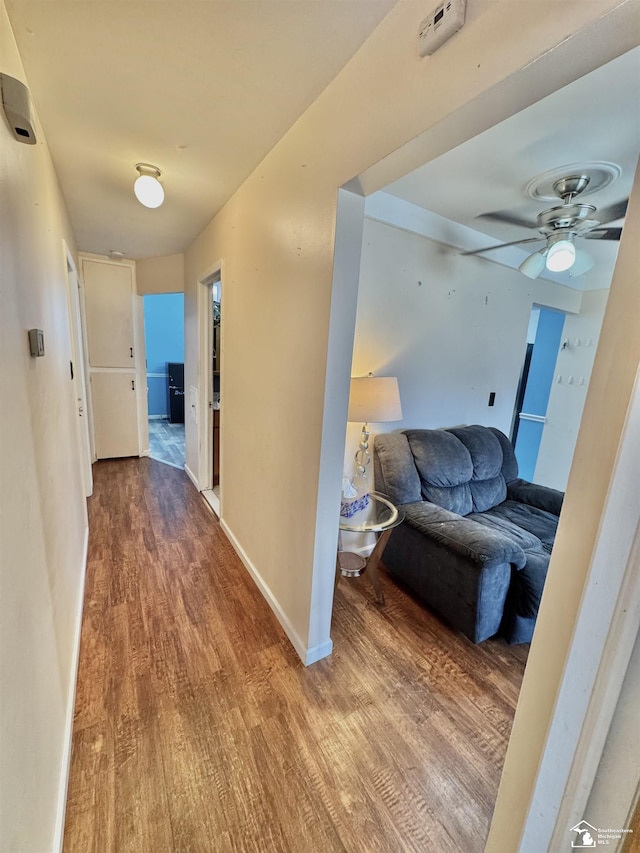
{"type": "Point", "coordinates": [584, 262]}
{"type": "Point", "coordinates": [533, 265]}
{"type": "Point", "coordinates": [562, 253]}
{"type": "Point", "coordinates": [147, 187]}
{"type": "Point", "coordinates": [559, 255]}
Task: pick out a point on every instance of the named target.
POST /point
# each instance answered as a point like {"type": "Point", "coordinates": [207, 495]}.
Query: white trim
{"type": "Point", "coordinates": [139, 343]}
{"type": "Point", "coordinates": [316, 653]}
{"type": "Point", "coordinates": [344, 297]}
{"type": "Point", "coordinates": [146, 452]}
{"type": "Point", "coordinates": [157, 375]}
{"type": "Point", "coordinates": [605, 635]}
{"type": "Point", "coordinates": [81, 375]}
{"type": "Point", "coordinates": [206, 280]}
{"type": "Point", "coordinates": [539, 419]}
{"type": "Point", "coordinates": [58, 835]}
{"type": "Point", "coordinates": [212, 499]}
{"type": "Point", "coordinates": [130, 370]}
{"type": "Point", "coordinates": [157, 418]}
{"type": "Point", "coordinates": [406, 216]}
{"type": "Point", "coordinates": [191, 476]}
{"type": "Point", "coordinates": [307, 655]}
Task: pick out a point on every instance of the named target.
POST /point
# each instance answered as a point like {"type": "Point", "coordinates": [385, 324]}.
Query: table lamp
{"type": "Point", "coordinates": [372, 399]}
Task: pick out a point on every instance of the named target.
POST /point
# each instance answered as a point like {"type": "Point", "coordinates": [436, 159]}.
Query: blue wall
{"type": "Point", "coordinates": [536, 397]}
{"type": "Point", "coordinates": [164, 339]}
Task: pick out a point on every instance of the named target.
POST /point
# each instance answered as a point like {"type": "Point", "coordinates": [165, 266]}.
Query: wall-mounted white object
{"type": "Point", "coordinates": [17, 108]}
{"type": "Point", "coordinates": [445, 20]}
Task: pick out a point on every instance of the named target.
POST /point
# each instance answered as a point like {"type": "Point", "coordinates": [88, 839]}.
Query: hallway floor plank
{"type": "Point", "coordinates": [197, 728]}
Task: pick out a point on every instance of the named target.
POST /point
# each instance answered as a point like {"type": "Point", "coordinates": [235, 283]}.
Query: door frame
{"type": "Point", "coordinates": [204, 405]}
{"type": "Point", "coordinates": [82, 402]}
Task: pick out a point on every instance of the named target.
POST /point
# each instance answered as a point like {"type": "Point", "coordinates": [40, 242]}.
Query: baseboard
{"type": "Point", "coordinates": [307, 656]}
{"type": "Point", "coordinates": [191, 476]}
{"type": "Point", "coordinates": [318, 652]}
{"type": "Point", "coordinates": [157, 417]}
{"type": "Point", "coordinates": [58, 837]}
{"type": "Point", "coordinates": [145, 453]}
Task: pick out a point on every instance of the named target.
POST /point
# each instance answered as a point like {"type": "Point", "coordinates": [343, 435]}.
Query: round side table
{"type": "Point", "coordinates": [379, 516]}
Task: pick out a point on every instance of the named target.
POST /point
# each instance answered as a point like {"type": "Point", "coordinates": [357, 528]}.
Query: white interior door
{"type": "Point", "coordinates": [78, 376]}
{"type": "Point", "coordinates": [108, 291]}
{"type": "Point", "coordinates": [115, 413]}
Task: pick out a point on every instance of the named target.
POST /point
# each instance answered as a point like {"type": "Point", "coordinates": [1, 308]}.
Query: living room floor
{"type": "Point", "coordinates": [197, 728]}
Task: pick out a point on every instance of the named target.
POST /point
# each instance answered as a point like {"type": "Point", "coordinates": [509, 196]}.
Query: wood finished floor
{"type": "Point", "coordinates": [198, 729]}
{"type": "Point", "coordinates": [166, 442]}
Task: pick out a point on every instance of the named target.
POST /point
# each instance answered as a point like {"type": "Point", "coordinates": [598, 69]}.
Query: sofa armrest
{"type": "Point", "coordinates": [463, 535]}
{"type": "Point", "coordinates": [542, 497]}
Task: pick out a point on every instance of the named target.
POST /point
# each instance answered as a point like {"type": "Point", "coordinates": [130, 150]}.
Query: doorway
{"type": "Point", "coordinates": [209, 425]}
{"type": "Point", "coordinates": [164, 337]}
{"type": "Point", "coordinates": [78, 374]}
{"type": "Point", "coordinates": [534, 389]}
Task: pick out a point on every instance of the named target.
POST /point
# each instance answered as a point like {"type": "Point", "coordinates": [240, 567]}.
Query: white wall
{"type": "Point", "coordinates": [454, 328]}
{"type": "Point", "coordinates": [163, 274]}
{"type": "Point", "coordinates": [276, 240]}
{"type": "Point", "coordinates": [451, 328]}
{"type": "Point", "coordinates": [43, 519]}
{"type": "Point", "coordinates": [569, 390]}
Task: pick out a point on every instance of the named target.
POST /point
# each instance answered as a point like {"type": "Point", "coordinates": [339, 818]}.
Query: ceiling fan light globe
{"type": "Point", "coordinates": [584, 262]}
{"type": "Point", "coordinates": [149, 191]}
{"type": "Point", "coordinates": [533, 265]}
{"type": "Point", "coordinates": [561, 256]}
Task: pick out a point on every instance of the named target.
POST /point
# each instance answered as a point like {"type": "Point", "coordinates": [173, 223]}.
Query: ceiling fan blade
{"type": "Point", "coordinates": [504, 245]}
{"type": "Point", "coordinates": [506, 217]}
{"type": "Point", "coordinates": [603, 234]}
{"type": "Point", "coordinates": [613, 212]}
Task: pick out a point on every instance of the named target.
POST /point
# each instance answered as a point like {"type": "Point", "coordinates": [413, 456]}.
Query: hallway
{"type": "Point", "coordinates": [197, 728]}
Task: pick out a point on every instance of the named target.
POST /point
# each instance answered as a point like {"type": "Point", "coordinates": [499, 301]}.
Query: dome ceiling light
{"type": "Point", "coordinates": [147, 187]}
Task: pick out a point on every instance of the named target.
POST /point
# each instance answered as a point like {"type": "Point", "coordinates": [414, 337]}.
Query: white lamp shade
{"type": "Point", "coordinates": [374, 399]}
{"type": "Point", "coordinates": [533, 265]}
{"type": "Point", "coordinates": [149, 191]}
{"type": "Point", "coordinates": [584, 262]}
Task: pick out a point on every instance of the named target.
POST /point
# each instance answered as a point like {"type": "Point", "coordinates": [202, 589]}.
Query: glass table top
{"type": "Point", "coordinates": [379, 514]}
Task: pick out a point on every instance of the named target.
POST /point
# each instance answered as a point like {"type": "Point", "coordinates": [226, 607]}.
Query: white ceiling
{"type": "Point", "coordinates": [596, 118]}
{"type": "Point", "coordinates": [201, 88]}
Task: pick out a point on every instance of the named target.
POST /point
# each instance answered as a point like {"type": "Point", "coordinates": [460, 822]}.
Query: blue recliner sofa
{"type": "Point", "coordinates": [476, 539]}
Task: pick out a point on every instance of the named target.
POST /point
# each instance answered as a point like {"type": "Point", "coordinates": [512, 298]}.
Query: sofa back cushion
{"type": "Point", "coordinates": [445, 468]}
{"type": "Point", "coordinates": [487, 484]}
{"type": "Point", "coordinates": [395, 470]}
{"type": "Point", "coordinates": [460, 469]}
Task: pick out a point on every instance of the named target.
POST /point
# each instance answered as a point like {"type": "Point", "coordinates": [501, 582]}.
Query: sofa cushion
{"type": "Point", "coordinates": [487, 484]}
{"type": "Point", "coordinates": [527, 585]}
{"type": "Point", "coordinates": [509, 461]}
{"type": "Point", "coordinates": [395, 470]}
{"type": "Point", "coordinates": [445, 468]}
{"type": "Point", "coordinates": [537, 522]}
{"type": "Point", "coordinates": [502, 524]}
{"type": "Point", "coordinates": [478, 542]}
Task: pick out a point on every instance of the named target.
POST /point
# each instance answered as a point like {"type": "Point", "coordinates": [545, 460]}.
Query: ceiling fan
{"type": "Point", "coordinates": [559, 227]}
